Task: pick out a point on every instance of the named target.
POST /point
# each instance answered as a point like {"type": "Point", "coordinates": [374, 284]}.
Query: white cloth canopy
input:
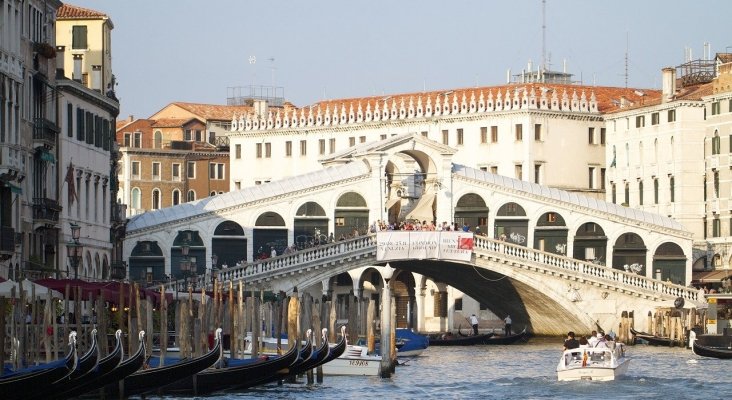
{"type": "Point", "coordinates": [6, 290]}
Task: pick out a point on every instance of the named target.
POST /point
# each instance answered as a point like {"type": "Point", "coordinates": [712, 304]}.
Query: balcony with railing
{"type": "Point", "coordinates": [7, 242]}
{"type": "Point", "coordinates": [46, 211]}
{"type": "Point", "coordinates": [44, 133]}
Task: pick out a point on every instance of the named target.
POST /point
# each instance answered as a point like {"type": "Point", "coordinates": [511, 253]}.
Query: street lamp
{"type": "Point", "coordinates": [75, 249]}
{"type": "Point", "coordinates": [185, 263]}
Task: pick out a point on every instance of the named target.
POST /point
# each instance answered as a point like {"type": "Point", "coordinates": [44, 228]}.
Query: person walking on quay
{"type": "Point", "coordinates": [507, 327]}
{"type": "Point", "coordinates": [474, 323]}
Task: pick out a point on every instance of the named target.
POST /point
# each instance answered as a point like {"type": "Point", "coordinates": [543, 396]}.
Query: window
{"type": "Point", "coordinates": [716, 184]}
{"type": "Point", "coordinates": [127, 139]}
{"type": "Point", "coordinates": [654, 118]}
{"type": "Point", "coordinates": [135, 170]}
{"type": "Point", "coordinates": [445, 137]}
{"type": "Point", "coordinates": [591, 135]}
{"type": "Point", "coordinates": [137, 140]}
{"type": "Point", "coordinates": [519, 132]}
{"type": "Point", "coordinates": [351, 141]}
{"type": "Point", "coordinates": [191, 170]}
{"type": "Point", "coordinates": [176, 172]}
{"type": "Point", "coordinates": [191, 196]}
{"type": "Point", "coordinates": [494, 134]}
{"type": "Point", "coordinates": [259, 150]}
{"type": "Point", "coordinates": [303, 147]}
{"type": "Point", "coordinates": [602, 178]}
{"type": "Point", "coordinates": [640, 121]}
{"type": "Point", "coordinates": [537, 173]}
{"type": "Point", "coordinates": [155, 199]}
{"type": "Point", "coordinates": [237, 185]}
{"type": "Point", "coordinates": [671, 184]}
{"type": "Point", "coordinates": [640, 193]}
{"type": "Point", "coordinates": [655, 190]}
{"type": "Point", "coordinates": [80, 121]}
{"type": "Point", "coordinates": [135, 198]}
{"type": "Point", "coordinates": [340, 221]}
{"type": "Point", "coordinates": [716, 227]}
{"type": "Point", "coordinates": [176, 197]}
{"type": "Point", "coordinates": [288, 148]}
{"type": "Point", "coordinates": [627, 194]}
{"type": "Point", "coordinates": [331, 145]}
{"type": "Point", "coordinates": [216, 171]}
{"type": "Point", "coordinates": [362, 139]}
{"type": "Point", "coordinates": [156, 171]}
{"type": "Point", "coordinates": [424, 133]}
{"type": "Point", "coordinates": [537, 132]}
{"type": "Point", "coordinates": [591, 182]}
{"type": "Point", "coordinates": [69, 120]}
{"type": "Point", "coordinates": [614, 193]}
{"type": "Point", "coordinates": [483, 134]}
{"type": "Point", "coordinates": [519, 171]}
{"type": "Point", "coordinates": [716, 144]}
{"type": "Point", "coordinates": [715, 108]}
{"type": "Point", "coordinates": [78, 37]}
{"type": "Point", "coordinates": [494, 169]}
{"type": "Point", "coordinates": [671, 117]}
{"type": "Point", "coordinates": [321, 147]}
{"type": "Point", "coordinates": [602, 136]}
{"type": "Point", "coordinates": [188, 135]}
{"type": "Point", "coordinates": [158, 140]}
{"type": "Point", "coordinates": [237, 151]}
{"type": "Point", "coordinates": [382, 137]}
{"type": "Point", "coordinates": [268, 150]}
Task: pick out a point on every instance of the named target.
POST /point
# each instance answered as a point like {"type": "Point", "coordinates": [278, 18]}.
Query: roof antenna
{"type": "Point", "coordinates": [626, 59]}
{"type": "Point", "coordinates": [543, 35]}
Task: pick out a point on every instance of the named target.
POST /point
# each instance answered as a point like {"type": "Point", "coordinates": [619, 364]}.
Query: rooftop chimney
{"type": "Point", "coordinates": [669, 84]}
{"type": "Point", "coordinates": [60, 62]}
{"type": "Point", "coordinates": [77, 67]}
{"type": "Point", "coordinates": [96, 81]}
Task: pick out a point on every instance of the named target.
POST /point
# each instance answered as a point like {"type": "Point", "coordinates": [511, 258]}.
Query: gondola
{"type": "Point", "coordinates": [86, 363]}
{"type": "Point", "coordinates": [24, 383]}
{"type": "Point", "coordinates": [105, 366]}
{"type": "Point", "coordinates": [339, 348]}
{"type": "Point", "coordinates": [654, 340]}
{"type": "Point", "coordinates": [148, 380]}
{"type": "Point", "coordinates": [319, 356]}
{"type": "Point", "coordinates": [460, 339]}
{"type": "Point", "coordinates": [713, 352]}
{"type": "Point", "coordinates": [111, 379]}
{"type": "Point", "coordinates": [304, 354]}
{"type": "Point", "coordinates": [231, 374]}
{"type": "Point", "coordinates": [522, 336]}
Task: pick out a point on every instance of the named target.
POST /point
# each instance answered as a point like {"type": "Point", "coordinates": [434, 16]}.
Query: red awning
{"type": "Point", "coordinates": [110, 291]}
{"type": "Point", "coordinates": [710, 276]}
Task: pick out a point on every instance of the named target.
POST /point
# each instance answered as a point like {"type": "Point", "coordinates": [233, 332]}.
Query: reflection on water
{"type": "Point", "coordinates": [520, 371]}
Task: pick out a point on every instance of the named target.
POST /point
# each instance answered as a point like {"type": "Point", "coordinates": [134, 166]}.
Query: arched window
{"type": "Point", "coordinates": [191, 195]}
{"type": "Point", "coordinates": [158, 140]}
{"type": "Point", "coordinates": [155, 199]}
{"type": "Point", "coordinates": [716, 144]}
{"type": "Point", "coordinates": [671, 184]}
{"type": "Point", "coordinates": [640, 193]}
{"type": "Point", "coordinates": [176, 197]}
{"type": "Point", "coordinates": [136, 198]}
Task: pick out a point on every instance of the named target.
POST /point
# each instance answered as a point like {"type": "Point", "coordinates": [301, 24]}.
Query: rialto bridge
{"type": "Point", "coordinates": [553, 260]}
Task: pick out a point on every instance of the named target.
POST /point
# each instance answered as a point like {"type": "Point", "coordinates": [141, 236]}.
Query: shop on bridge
{"type": "Point", "coordinates": [511, 224]}
{"type": "Point", "coordinates": [472, 211]}
{"type": "Point", "coordinates": [590, 243]}
{"type": "Point", "coordinates": [229, 244]}
{"type": "Point", "coordinates": [310, 226]}
{"type": "Point", "coordinates": [550, 234]}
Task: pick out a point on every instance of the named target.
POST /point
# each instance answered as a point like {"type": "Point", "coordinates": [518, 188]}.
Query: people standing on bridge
{"type": "Point", "coordinates": [570, 342]}
{"type": "Point", "coordinates": [507, 327]}
{"type": "Point", "coordinates": [474, 323]}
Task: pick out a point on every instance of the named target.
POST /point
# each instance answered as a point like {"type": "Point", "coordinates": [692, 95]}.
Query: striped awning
{"type": "Point", "coordinates": [710, 276]}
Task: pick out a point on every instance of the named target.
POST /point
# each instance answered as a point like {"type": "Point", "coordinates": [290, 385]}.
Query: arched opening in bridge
{"type": "Point", "coordinates": [269, 233]}
{"type": "Point", "coordinates": [351, 216]}
{"type": "Point", "coordinates": [511, 224]}
{"type": "Point", "coordinates": [551, 233]}
{"type": "Point", "coordinates": [310, 226]}
{"type": "Point", "coordinates": [669, 263]}
{"type": "Point", "coordinates": [630, 251]}
{"type": "Point", "coordinates": [147, 258]}
{"type": "Point", "coordinates": [590, 243]}
{"type": "Point", "coordinates": [410, 186]}
{"type": "Point", "coordinates": [229, 244]}
{"type": "Point", "coordinates": [402, 288]}
{"type": "Point", "coordinates": [472, 211]}
{"type": "Point", "coordinates": [196, 253]}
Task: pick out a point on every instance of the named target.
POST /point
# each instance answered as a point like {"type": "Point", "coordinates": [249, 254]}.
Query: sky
{"type": "Point", "coordinates": [194, 51]}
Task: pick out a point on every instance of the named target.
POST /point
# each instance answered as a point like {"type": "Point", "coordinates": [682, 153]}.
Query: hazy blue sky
{"type": "Point", "coordinates": [182, 50]}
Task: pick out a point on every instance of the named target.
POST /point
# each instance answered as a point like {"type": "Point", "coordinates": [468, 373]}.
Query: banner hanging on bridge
{"type": "Point", "coordinates": [439, 245]}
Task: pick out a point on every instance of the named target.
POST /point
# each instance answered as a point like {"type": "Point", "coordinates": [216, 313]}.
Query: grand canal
{"type": "Point", "coordinates": [520, 371]}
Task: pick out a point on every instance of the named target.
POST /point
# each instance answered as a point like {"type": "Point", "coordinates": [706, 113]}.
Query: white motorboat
{"type": "Point", "coordinates": [354, 361]}
{"type": "Point", "coordinates": [595, 364]}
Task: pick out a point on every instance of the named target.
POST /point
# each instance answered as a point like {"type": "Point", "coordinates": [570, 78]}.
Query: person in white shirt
{"type": "Point", "coordinates": [507, 327]}
{"type": "Point", "coordinates": [474, 323]}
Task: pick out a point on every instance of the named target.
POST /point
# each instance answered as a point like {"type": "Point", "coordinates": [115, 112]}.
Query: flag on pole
{"type": "Point", "coordinates": [72, 187]}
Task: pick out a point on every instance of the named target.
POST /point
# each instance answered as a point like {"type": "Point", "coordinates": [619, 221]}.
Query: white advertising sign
{"type": "Point", "coordinates": [439, 245]}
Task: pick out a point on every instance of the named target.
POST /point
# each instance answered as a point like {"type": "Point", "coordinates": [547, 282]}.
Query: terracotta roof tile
{"type": "Point", "coordinates": [171, 122]}
{"type": "Point", "coordinates": [68, 11]}
{"type": "Point", "coordinates": [214, 111]}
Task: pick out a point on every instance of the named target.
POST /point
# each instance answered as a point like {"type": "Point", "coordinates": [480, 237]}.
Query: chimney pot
{"type": "Point", "coordinates": [668, 76]}
{"type": "Point", "coordinates": [60, 73]}
{"type": "Point", "coordinates": [77, 67]}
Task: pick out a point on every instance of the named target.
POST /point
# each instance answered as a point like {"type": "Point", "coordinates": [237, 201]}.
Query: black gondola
{"type": "Point", "coordinates": [522, 336]}
{"type": "Point", "coordinates": [338, 349]}
{"type": "Point", "coordinates": [28, 382]}
{"type": "Point", "coordinates": [86, 363]}
{"type": "Point", "coordinates": [460, 340]}
{"type": "Point", "coordinates": [303, 355]}
{"type": "Point", "coordinates": [233, 374]}
{"type": "Point", "coordinates": [111, 379]}
{"type": "Point", "coordinates": [319, 356]}
{"type": "Point", "coordinates": [148, 380]}
{"type": "Point", "coordinates": [654, 340]}
{"type": "Point", "coordinates": [105, 366]}
{"type": "Point", "coordinates": [724, 353]}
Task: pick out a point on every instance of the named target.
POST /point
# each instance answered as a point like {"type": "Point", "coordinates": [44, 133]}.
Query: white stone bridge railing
{"type": "Point", "coordinates": [365, 246]}
{"type": "Point", "coordinates": [595, 273]}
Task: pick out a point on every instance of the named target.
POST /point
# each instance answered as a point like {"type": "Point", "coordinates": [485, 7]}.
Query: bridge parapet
{"type": "Point", "coordinates": [595, 273]}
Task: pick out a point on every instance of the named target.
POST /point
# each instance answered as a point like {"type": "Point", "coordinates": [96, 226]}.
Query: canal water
{"type": "Point", "coordinates": [524, 371]}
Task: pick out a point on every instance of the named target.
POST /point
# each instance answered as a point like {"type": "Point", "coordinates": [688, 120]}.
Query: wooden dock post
{"type": "Point", "coordinates": [385, 369]}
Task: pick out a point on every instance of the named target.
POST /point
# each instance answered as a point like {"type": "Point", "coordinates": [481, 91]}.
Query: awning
{"type": "Point", "coordinates": [710, 276]}
{"type": "Point", "coordinates": [15, 189]}
{"type": "Point", "coordinates": [46, 155]}
{"type": "Point", "coordinates": [390, 203]}
{"type": "Point", "coordinates": [423, 210]}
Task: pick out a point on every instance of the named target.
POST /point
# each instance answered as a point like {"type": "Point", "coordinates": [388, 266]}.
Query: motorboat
{"type": "Point", "coordinates": [594, 364]}
{"type": "Point", "coordinates": [355, 360]}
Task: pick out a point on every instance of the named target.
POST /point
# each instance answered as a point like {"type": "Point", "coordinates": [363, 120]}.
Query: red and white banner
{"type": "Point", "coordinates": [438, 245]}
